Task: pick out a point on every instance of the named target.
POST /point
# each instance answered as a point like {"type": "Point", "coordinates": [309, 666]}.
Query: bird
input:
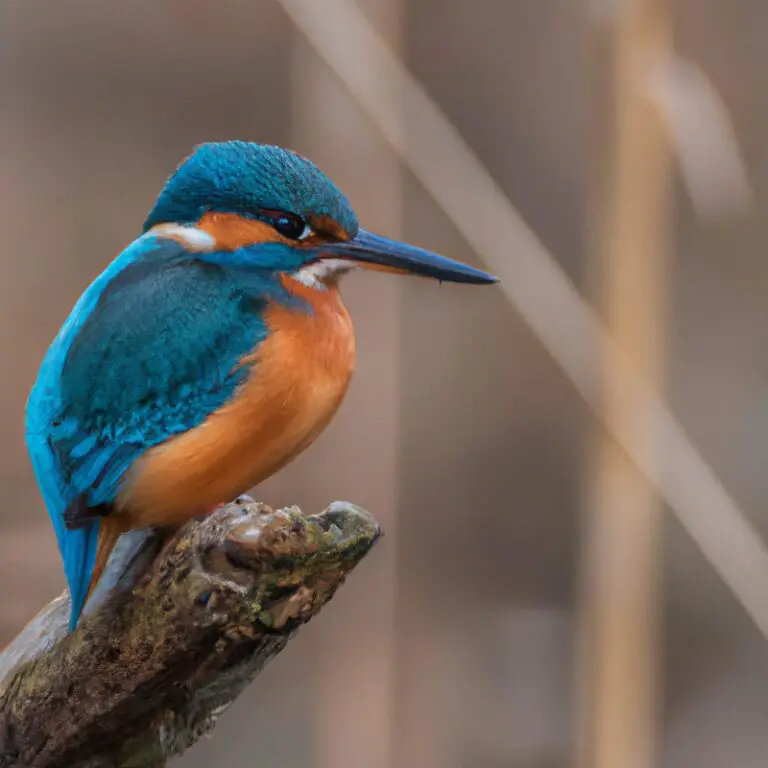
{"type": "Point", "coordinates": [208, 354]}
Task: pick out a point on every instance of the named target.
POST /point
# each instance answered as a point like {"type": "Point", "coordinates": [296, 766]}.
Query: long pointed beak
{"type": "Point", "coordinates": [377, 252]}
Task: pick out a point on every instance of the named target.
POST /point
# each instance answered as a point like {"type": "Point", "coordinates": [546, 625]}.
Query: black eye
{"type": "Point", "coordinates": [289, 225]}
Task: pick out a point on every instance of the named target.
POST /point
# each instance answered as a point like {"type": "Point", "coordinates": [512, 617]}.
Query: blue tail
{"type": "Point", "coordinates": [77, 546]}
{"type": "Point", "coordinates": [79, 554]}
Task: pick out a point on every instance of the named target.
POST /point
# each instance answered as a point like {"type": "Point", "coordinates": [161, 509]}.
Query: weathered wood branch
{"type": "Point", "coordinates": [173, 638]}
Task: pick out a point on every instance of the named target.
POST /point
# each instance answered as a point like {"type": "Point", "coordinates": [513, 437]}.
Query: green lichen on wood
{"type": "Point", "coordinates": [148, 672]}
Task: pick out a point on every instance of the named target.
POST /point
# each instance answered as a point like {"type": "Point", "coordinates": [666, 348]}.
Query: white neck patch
{"type": "Point", "coordinates": [194, 238]}
{"type": "Point", "coordinates": [316, 274]}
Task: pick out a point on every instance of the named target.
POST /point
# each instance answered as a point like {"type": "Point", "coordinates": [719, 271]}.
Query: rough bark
{"type": "Point", "coordinates": [174, 636]}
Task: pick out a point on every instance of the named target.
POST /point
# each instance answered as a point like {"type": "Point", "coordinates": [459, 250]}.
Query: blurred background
{"type": "Point", "coordinates": [534, 603]}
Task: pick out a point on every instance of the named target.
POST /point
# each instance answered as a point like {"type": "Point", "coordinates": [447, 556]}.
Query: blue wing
{"type": "Point", "coordinates": [149, 351]}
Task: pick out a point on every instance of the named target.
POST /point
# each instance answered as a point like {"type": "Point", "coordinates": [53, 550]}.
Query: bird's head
{"type": "Point", "coordinates": [288, 215]}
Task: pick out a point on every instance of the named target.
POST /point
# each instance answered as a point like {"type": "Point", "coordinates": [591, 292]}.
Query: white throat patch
{"type": "Point", "coordinates": [317, 273]}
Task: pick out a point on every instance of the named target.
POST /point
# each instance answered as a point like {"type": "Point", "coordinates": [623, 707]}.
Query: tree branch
{"type": "Point", "coordinates": [160, 655]}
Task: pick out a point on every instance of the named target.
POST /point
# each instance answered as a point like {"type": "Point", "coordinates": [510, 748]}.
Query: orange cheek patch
{"type": "Point", "coordinates": [232, 231]}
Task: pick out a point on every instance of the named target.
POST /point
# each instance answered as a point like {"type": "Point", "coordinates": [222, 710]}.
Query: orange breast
{"type": "Point", "coordinates": [299, 377]}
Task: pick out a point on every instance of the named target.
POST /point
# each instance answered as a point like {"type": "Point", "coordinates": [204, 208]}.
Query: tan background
{"type": "Point", "coordinates": [445, 650]}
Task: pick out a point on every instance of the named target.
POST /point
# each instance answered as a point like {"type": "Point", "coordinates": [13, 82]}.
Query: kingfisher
{"type": "Point", "coordinates": [208, 354]}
